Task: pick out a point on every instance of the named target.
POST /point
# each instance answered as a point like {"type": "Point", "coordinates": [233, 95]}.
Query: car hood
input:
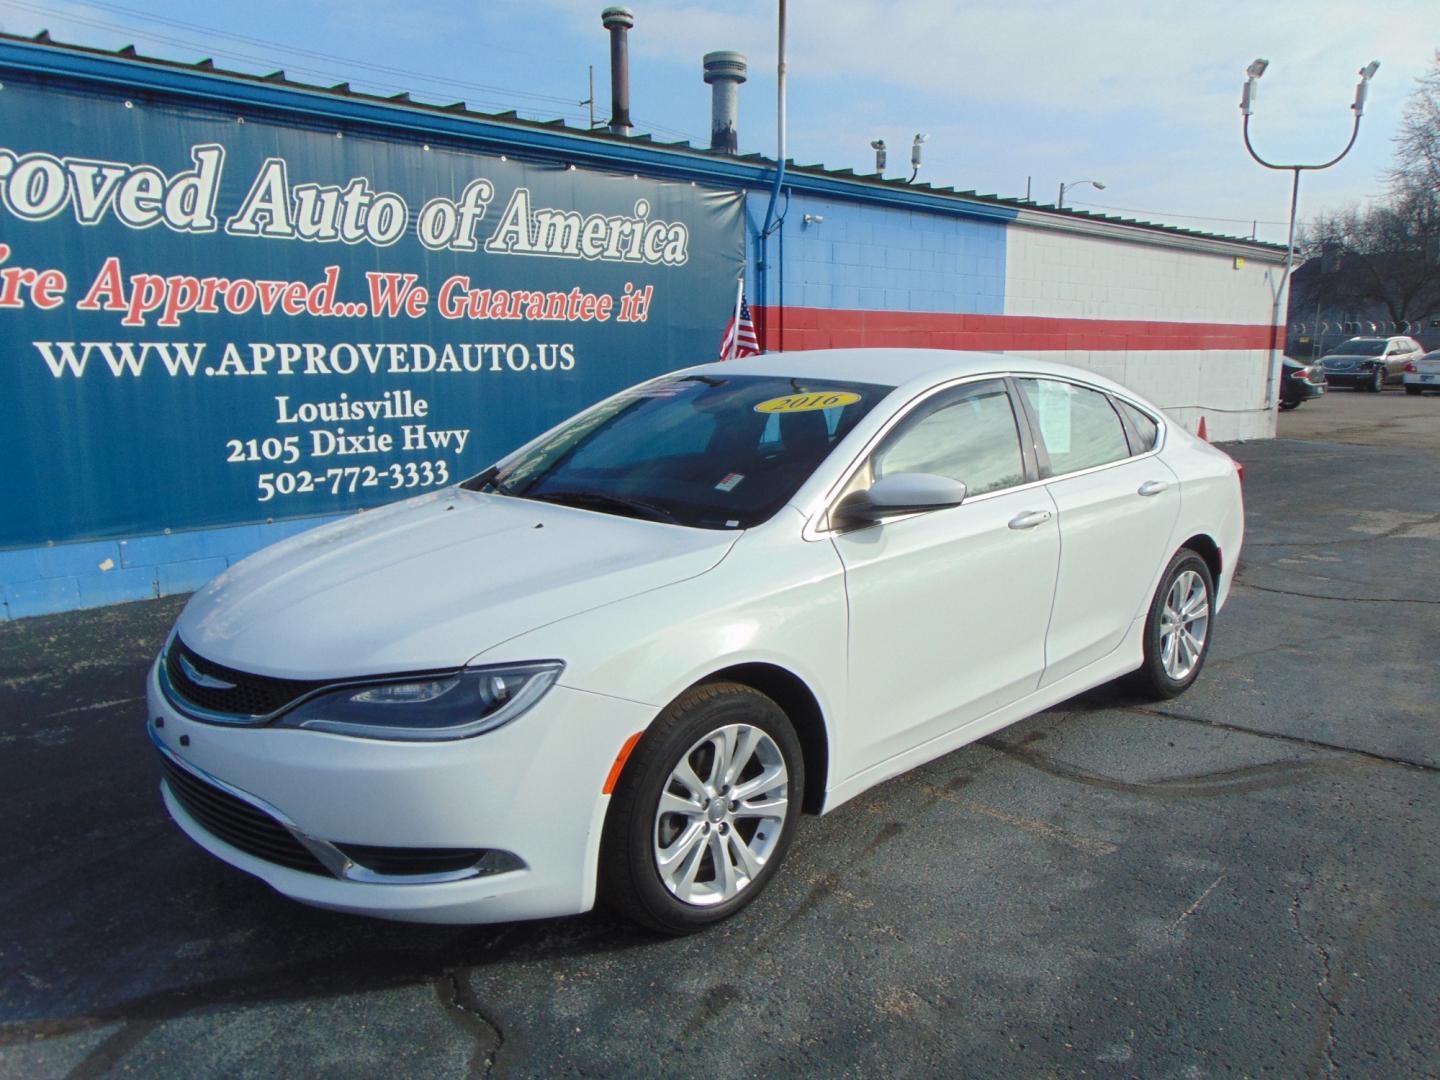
{"type": "Point", "coordinates": [429, 583]}
{"type": "Point", "coordinates": [1346, 359]}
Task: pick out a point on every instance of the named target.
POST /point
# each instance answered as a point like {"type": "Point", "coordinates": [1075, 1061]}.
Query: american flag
{"type": "Point", "coordinates": [739, 339]}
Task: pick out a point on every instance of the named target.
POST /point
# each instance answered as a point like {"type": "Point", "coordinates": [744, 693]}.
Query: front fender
{"type": "Point", "coordinates": [776, 599]}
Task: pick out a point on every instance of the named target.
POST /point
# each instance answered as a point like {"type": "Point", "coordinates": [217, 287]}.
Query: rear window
{"type": "Point", "coordinates": [1144, 428]}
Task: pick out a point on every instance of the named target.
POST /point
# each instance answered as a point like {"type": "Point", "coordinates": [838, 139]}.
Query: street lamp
{"type": "Point", "coordinates": [1060, 202]}
{"type": "Point", "coordinates": [1247, 106]}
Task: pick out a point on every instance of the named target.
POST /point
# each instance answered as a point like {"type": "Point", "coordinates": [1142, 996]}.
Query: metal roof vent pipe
{"type": "Point", "coordinates": [618, 21]}
{"type": "Point", "coordinates": [725, 71]}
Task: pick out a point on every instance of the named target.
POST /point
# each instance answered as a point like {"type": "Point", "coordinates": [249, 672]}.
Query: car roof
{"type": "Point", "coordinates": [901, 367]}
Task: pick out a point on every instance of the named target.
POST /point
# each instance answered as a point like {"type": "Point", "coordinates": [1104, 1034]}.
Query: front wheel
{"type": "Point", "coordinates": [1377, 381]}
{"type": "Point", "coordinates": [1286, 406]}
{"type": "Point", "coordinates": [705, 810]}
{"type": "Point", "coordinates": [1177, 628]}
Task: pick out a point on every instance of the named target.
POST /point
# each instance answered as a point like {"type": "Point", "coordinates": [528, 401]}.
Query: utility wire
{"type": "Point", "coordinates": [343, 74]}
{"type": "Point", "coordinates": [1167, 213]}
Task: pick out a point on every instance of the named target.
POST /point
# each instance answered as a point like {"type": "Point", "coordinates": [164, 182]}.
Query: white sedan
{"type": "Point", "coordinates": [621, 662]}
{"type": "Point", "coordinates": [1423, 373]}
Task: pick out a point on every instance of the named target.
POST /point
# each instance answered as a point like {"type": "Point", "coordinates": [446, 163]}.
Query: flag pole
{"type": "Point", "coordinates": [739, 303]}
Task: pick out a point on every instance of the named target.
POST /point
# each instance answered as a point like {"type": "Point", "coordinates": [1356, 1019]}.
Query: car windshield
{"type": "Point", "coordinates": [1363, 347]}
{"type": "Point", "coordinates": [706, 451]}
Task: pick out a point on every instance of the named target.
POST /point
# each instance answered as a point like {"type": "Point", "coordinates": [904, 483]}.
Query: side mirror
{"type": "Point", "coordinates": [901, 493]}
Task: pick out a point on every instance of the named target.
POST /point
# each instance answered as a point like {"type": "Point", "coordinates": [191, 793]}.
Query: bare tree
{"type": "Point", "coordinates": [1387, 254]}
{"type": "Point", "coordinates": [1417, 143]}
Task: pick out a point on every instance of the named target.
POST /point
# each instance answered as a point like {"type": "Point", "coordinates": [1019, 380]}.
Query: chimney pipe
{"type": "Point", "coordinates": [724, 71]}
{"type": "Point", "coordinates": [618, 21]}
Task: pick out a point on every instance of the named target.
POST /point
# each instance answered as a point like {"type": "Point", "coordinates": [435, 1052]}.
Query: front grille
{"type": "Point", "coordinates": [237, 822]}
{"type": "Point", "coordinates": [247, 695]}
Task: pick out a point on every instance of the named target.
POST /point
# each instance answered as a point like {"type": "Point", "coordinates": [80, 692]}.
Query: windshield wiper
{"type": "Point", "coordinates": [487, 482]}
{"type": "Point", "coordinates": [599, 500]}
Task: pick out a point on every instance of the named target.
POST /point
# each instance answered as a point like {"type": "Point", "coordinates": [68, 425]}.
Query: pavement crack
{"type": "Point", "coordinates": [1341, 599]}
{"type": "Point", "coordinates": [1280, 736]}
{"type": "Point", "coordinates": [460, 1002]}
{"type": "Point", "coordinates": [1198, 901]}
{"type": "Point", "coordinates": [1325, 1041]}
{"type": "Point", "coordinates": [1395, 532]}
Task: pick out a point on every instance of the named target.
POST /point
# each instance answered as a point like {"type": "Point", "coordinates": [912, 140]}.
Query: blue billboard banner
{"type": "Point", "coordinates": [210, 318]}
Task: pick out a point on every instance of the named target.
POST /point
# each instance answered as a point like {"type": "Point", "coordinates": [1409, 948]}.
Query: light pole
{"type": "Point", "coordinates": [1247, 106]}
{"type": "Point", "coordinates": [1060, 201]}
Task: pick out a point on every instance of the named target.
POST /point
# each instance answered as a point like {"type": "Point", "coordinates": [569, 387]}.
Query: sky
{"type": "Point", "coordinates": [1140, 96]}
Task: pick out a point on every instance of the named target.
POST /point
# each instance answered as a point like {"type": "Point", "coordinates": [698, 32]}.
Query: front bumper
{"type": "Point", "coordinates": [532, 788]}
{"type": "Point", "coordinates": [1349, 378]}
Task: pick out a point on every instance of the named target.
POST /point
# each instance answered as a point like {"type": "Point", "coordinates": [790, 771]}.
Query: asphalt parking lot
{"type": "Point", "coordinates": [1243, 881]}
{"type": "Point", "coordinates": [1392, 418]}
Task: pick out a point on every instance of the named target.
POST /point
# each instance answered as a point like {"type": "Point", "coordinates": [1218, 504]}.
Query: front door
{"type": "Point", "coordinates": [948, 609]}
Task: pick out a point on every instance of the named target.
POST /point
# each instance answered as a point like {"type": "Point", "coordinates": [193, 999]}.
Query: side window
{"type": "Point", "coordinates": [1145, 428]}
{"type": "Point", "coordinates": [968, 434]}
{"type": "Point", "coordinates": [1077, 425]}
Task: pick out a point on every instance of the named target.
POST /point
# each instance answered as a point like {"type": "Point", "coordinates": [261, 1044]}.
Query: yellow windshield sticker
{"type": "Point", "coordinates": [793, 403]}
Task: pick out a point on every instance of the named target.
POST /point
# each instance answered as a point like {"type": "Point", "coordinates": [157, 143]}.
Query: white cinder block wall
{"type": "Point", "coordinates": [1128, 289]}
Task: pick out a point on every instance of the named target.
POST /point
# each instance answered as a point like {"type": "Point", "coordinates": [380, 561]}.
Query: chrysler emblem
{"type": "Point", "coordinates": [201, 679]}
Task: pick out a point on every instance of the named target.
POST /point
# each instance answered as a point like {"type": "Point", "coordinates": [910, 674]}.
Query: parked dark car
{"type": "Point", "coordinates": [1299, 382]}
{"type": "Point", "coordinates": [1368, 363]}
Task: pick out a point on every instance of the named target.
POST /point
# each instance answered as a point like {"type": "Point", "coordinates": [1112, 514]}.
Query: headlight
{"type": "Point", "coordinates": [455, 706]}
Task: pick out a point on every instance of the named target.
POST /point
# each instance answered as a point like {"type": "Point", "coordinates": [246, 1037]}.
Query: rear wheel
{"type": "Point", "coordinates": [705, 810]}
{"type": "Point", "coordinates": [1414, 391]}
{"type": "Point", "coordinates": [1177, 628]}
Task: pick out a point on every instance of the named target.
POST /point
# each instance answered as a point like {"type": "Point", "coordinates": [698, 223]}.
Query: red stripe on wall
{"type": "Point", "coordinates": [827, 328]}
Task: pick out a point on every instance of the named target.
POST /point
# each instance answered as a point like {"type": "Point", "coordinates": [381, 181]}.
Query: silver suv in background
{"type": "Point", "coordinates": [1368, 363]}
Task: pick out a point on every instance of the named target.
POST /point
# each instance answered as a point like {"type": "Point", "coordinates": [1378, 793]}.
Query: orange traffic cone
{"type": "Point", "coordinates": [1200, 431]}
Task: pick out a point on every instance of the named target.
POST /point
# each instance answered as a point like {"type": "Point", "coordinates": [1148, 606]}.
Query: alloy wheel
{"type": "Point", "coordinates": [1184, 624]}
{"type": "Point", "coordinates": [720, 815]}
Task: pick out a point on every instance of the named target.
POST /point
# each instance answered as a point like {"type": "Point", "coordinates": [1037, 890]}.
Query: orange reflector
{"type": "Point", "coordinates": [620, 760]}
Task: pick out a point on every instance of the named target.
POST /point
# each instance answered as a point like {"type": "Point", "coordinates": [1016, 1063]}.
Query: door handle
{"type": "Point", "coordinates": [1152, 487]}
{"type": "Point", "coordinates": [1030, 519]}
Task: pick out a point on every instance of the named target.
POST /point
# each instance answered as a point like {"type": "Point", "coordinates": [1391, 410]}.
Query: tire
{"type": "Point", "coordinates": [1413, 391]}
{"type": "Point", "coordinates": [1377, 382]}
{"type": "Point", "coordinates": [710, 879]}
{"type": "Point", "coordinates": [1158, 677]}
{"type": "Point", "coordinates": [1287, 406]}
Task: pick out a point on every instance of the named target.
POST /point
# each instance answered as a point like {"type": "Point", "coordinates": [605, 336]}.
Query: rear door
{"type": "Point", "coordinates": [1117, 505]}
